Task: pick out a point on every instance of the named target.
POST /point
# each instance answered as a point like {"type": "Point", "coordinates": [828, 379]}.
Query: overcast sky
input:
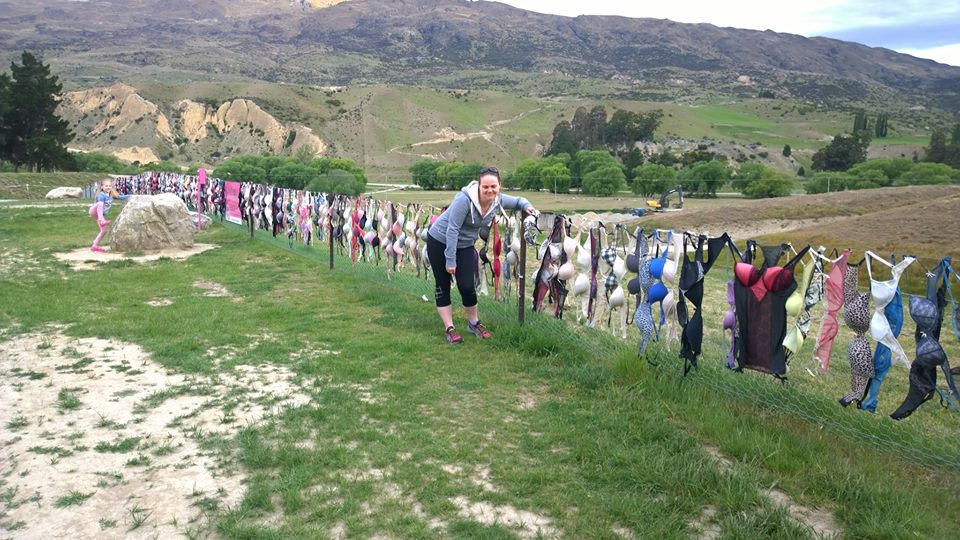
{"type": "Point", "coordinates": [923, 28]}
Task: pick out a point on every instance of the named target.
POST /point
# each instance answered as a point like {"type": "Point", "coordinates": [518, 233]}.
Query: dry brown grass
{"type": "Point", "coordinates": [917, 220]}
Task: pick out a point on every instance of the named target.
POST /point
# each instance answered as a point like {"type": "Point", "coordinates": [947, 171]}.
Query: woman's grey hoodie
{"type": "Point", "coordinates": [460, 225]}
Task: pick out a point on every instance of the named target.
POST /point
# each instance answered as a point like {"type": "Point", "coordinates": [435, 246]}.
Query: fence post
{"type": "Point", "coordinates": [330, 232]}
{"type": "Point", "coordinates": [393, 219]}
{"type": "Point", "coordinates": [522, 279]}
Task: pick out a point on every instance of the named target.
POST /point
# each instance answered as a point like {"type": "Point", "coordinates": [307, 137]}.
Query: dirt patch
{"type": "Point", "coordinates": [160, 302]}
{"type": "Point", "coordinates": [214, 290]}
{"type": "Point", "coordinates": [338, 531]}
{"type": "Point", "coordinates": [526, 524]}
{"type": "Point", "coordinates": [820, 522]}
{"type": "Point", "coordinates": [481, 477]}
{"type": "Point", "coordinates": [705, 524]}
{"type": "Point", "coordinates": [15, 263]}
{"type": "Point", "coordinates": [84, 259]}
{"type": "Point", "coordinates": [725, 464]}
{"type": "Point", "coordinates": [99, 438]}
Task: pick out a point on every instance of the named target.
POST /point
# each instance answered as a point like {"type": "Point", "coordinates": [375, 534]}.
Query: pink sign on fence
{"type": "Point", "coordinates": [232, 193]}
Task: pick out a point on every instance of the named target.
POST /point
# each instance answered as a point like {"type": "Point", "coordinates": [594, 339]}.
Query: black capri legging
{"type": "Point", "coordinates": [466, 268]}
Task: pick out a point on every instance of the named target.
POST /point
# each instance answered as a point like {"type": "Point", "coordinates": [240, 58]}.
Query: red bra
{"type": "Point", "coordinates": [773, 279]}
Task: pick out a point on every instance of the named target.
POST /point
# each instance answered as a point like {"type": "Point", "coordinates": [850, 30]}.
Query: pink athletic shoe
{"type": "Point", "coordinates": [98, 249]}
{"type": "Point", "coordinates": [478, 329]}
{"type": "Point", "coordinates": [103, 222]}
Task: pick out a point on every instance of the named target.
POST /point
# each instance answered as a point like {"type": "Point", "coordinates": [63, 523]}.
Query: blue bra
{"type": "Point", "coordinates": [656, 264]}
{"type": "Point", "coordinates": [657, 292]}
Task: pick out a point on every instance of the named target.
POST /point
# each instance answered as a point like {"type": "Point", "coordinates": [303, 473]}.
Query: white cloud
{"type": "Point", "coordinates": [948, 54]}
{"type": "Point", "coordinates": [808, 18]}
{"type": "Point", "coordinates": [800, 18]}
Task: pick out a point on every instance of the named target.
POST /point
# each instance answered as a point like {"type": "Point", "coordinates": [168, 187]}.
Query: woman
{"type": "Point", "coordinates": [450, 246]}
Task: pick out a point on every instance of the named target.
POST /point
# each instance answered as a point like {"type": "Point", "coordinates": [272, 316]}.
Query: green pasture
{"type": "Point", "coordinates": [563, 423]}
{"type": "Point", "coordinates": [36, 185]}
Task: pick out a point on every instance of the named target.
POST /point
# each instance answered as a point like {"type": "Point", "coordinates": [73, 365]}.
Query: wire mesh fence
{"type": "Point", "coordinates": [931, 437]}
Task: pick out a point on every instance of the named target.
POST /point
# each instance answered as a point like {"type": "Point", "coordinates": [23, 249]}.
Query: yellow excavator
{"type": "Point", "coordinates": [663, 204]}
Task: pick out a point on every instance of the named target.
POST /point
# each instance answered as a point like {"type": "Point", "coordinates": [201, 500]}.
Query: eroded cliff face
{"type": "Point", "coordinates": [115, 113]}
{"type": "Point", "coordinates": [117, 120]}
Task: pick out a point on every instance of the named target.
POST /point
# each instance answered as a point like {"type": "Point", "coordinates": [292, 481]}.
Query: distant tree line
{"type": "Point", "coordinates": [296, 172]}
{"type": "Point", "coordinates": [882, 172]}
{"type": "Point", "coordinates": [598, 172]}
{"type": "Point", "coordinates": [595, 172]}
{"type": "Point", "coordinates": [31, 134]}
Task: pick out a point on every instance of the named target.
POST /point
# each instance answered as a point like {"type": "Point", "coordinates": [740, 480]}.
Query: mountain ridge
{"type": "Point", "coordinates": [405, 41]}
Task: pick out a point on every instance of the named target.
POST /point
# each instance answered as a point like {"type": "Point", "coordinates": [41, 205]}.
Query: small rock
{"type": "Point", "coordinates": [65, 193]}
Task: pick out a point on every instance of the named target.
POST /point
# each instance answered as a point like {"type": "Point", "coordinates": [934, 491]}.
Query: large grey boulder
{"type": "Point", "coordinates": [65, 193]}
{"type": "Point", "coordinates": [150, 222]}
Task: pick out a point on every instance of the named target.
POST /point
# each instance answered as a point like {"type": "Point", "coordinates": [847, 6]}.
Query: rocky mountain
{"type": "Point", "coordinates": [450, 41]}
{"type": "Point", "coordinates": [117, 120]}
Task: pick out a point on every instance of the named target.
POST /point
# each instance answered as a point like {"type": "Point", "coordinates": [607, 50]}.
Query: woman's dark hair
{"type": "Point", "coordinates": [489, 171]}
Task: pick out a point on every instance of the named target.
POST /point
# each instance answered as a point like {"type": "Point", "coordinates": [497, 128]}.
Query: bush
{"type": "Point", "coordinates": [451, 175]}
{"type": "Point", "coordinates": [653, 179]}
{"type": "Point", "coordinates": [555, 178]}
{"type": "Point", "coordinates": [337, 181]}
{"type": "Point", "coordinates": [822, 182]}
{"type": "Point", "coordinates": [163, 166]}
{"type": "Point", "coordinates": [773, 186]}
{"type": "Point", "coordinates": [527, 175]}
{"type": "Point", "coordinates": [293, 174]}
{"type": "Point", "coordinates": [604, 181]}
{"type": "Point", "coordinates": [424, 173]}
{"type": "Point", "coordinates": [101, 163]}
{"type": "Point", "coordinates": [705, 177]}
{"type": "Point", "coordinates": [892, 168]}
{"type": "Point", "coordinates": [927, 173]}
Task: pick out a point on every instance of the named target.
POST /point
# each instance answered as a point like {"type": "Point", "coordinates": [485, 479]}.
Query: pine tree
{"type": "Point", "coordinates": [35, 136]}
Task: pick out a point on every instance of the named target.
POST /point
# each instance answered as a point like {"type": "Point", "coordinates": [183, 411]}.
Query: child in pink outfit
{"type": "Point", "coordinates": [100, 209]}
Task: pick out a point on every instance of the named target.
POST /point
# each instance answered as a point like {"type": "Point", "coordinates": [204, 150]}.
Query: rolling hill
{"type": "Point", "coordinates": [387, 82]}
{"type": "Point", "coordinates": [432, 40]}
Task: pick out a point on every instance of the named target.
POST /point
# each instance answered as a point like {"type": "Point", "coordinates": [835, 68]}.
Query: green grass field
{"type": "Point", "coordinates": [544, 430]}
{"type": "Point", "coordinates": [36, 185]}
